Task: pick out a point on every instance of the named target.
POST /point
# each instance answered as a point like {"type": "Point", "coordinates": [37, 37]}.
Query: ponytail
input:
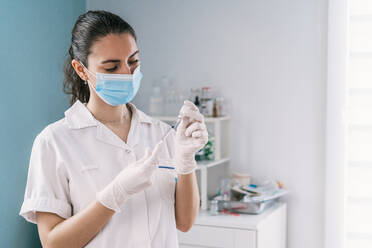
{"type": "Point", "coordinates": [72, 84]}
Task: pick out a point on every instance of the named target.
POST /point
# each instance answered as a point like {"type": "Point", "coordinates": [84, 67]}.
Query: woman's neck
{"type": "Point", "coordinates": [106, 113]}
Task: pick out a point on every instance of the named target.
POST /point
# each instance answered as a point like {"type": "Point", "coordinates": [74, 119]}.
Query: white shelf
{"type": "Point", "coordinates": [208, 164]}
{"type": "Point", "coordinates": [203, 168]}
{"type": "Point", "coordinates": [220, 157]}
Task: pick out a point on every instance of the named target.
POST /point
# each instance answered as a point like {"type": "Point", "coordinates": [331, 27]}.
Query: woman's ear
{"type": "Point", "coordinates": [79, 69]}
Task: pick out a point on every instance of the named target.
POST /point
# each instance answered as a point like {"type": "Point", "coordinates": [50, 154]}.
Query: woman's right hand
{"type": "Point", "coordinates": [133, 179]}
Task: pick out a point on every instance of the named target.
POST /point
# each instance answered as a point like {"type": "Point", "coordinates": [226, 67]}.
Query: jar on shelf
{"type": "Point", "coordinates": [206, 102]}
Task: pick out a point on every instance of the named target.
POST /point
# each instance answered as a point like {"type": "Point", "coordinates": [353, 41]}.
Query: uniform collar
{"type": "Point", "coordinates": [78, 116]}
{"type": "Point", "coordinates": [142, 117]}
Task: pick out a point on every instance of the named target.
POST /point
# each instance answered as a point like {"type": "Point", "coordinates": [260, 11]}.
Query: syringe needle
{"type": "Point", "coordinates": [174, 126]}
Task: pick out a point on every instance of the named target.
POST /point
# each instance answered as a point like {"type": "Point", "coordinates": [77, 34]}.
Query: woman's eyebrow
{"type": "Point", "coordinates": [134, 54]}
{"type": "Point", "coordinates": [118, 60]}
{"type": "Point", "coordinates": [110, 61]}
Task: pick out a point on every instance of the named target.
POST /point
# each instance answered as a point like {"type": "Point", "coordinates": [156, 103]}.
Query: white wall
{"type": "Point", "coordinates": [269, 58]}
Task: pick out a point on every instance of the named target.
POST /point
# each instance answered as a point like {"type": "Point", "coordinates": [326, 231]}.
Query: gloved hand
{"type": "Point", "coordinates": [133, 179]}
{"type": "Point", "coordinates": [191, 136]}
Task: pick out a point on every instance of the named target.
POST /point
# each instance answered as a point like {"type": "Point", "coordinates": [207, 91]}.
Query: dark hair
{"type": "Point", "coordinates": [88, 28]}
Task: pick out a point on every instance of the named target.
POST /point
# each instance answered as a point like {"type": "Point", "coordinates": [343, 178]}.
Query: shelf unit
{"type": "Point", "coordinates": [219, 156]}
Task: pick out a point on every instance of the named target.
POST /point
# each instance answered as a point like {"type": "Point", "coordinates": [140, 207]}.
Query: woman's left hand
{"type": "Point", "coordinates": [191, 136]}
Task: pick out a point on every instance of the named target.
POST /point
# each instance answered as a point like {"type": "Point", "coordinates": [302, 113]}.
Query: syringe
{"type": "Point", "coordinates": [174, 127]}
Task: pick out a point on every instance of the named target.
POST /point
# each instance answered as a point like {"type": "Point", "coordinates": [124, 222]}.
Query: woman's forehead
{"type": "Point", "coordinates": [113, 46]}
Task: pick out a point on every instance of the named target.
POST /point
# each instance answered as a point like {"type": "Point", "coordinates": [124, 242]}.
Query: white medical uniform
{"type": "Point", "coordinates": [74, 158]}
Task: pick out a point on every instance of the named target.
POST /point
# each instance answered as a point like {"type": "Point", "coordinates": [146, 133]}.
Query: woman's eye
{"type": "Point", "coordinates": [111, 69]}
{"type": "Point", "coordinates": [133, 62]}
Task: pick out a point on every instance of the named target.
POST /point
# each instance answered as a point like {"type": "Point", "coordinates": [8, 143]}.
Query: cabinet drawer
{"type": "Point", "coordinates": [244, 239]}
{"type": "Point", "coordinates": [217, 237]}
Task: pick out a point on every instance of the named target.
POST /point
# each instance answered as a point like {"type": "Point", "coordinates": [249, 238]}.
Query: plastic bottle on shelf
{"type": "Point", "coordinates": [220, 106]}
{"type": "Point", "coordinates": [206, 102]}
{"type": "Point", "coordinates": [197, 102]}
{"type": "Point", "coordinates": [215, 109]}
{"type": "Point", "coordinates": [195, 97]}
{"type": "Point", "coordinates": [213, 210]}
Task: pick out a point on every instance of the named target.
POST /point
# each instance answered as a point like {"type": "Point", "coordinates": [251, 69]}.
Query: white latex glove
{"type": "Point", "coordinates": [191, 136]}
{"type": "Point", "coordinates": [133, 179]}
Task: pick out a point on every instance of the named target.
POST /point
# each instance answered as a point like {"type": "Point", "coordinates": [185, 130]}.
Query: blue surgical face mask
{"type": "Point", "coordinates": [117, 89]}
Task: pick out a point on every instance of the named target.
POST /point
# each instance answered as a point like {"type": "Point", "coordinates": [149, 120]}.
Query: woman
{"type": "Point", "coordinates": [102, 176]}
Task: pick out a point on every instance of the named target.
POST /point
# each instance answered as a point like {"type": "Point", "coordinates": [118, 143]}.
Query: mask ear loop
{"type": "Point", "coordinates": [86, 81]}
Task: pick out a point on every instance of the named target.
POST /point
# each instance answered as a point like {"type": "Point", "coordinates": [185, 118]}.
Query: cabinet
{"type": "Point", "coordinates": [266, 230]}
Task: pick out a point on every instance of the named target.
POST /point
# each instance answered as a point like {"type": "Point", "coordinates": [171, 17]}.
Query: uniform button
{"type": "Point", "coordinates": [127, 151]}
